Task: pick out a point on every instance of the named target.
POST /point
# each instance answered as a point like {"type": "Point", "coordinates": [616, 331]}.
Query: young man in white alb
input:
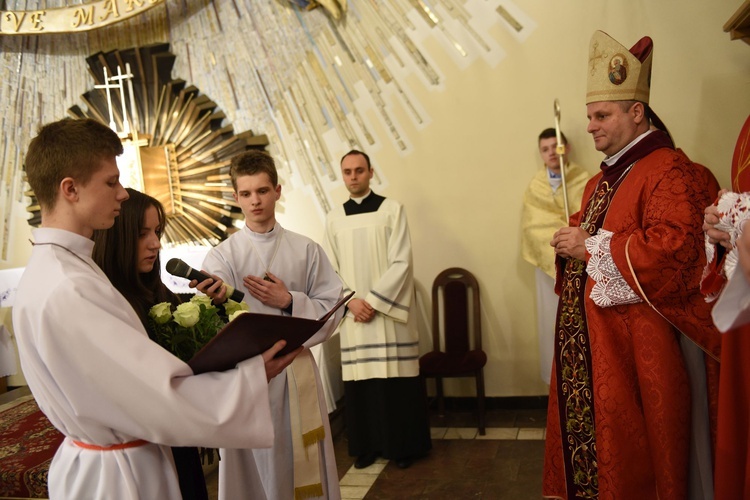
{"type": "Point", "coordinates": [119, 398]}
{"type": "Point", "coordinates": [288, 274]}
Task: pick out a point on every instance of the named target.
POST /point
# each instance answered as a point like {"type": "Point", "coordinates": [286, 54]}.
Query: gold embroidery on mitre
{"type": "Point", "coordinates": [618, 69]}
{"type": "Point", "coordinates": [614, 73]}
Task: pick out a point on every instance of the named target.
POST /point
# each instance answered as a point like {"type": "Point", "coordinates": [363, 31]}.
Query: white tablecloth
{"type": "Point", "coordinates": [9, 279]}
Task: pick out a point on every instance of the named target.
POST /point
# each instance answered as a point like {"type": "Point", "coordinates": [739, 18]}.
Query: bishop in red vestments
{"type": "Point", "coordinates": [732, 472]}
{"type": "Point", "coordinates": [635, 348]}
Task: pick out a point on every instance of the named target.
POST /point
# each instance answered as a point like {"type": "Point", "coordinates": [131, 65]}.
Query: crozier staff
{"type": "Point", "coordinates": [560, 150]}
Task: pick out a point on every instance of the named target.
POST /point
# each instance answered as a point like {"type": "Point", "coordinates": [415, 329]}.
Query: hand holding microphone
{"type": "Point", "coordinates": [177, 267]}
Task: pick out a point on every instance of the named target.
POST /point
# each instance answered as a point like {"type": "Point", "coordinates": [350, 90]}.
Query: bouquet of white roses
{"type": "Point", "coordinates": [184, 331]}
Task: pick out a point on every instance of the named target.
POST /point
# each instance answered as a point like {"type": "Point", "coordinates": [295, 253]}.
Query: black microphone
{"type": "Point", "coordinates": [177, 267]}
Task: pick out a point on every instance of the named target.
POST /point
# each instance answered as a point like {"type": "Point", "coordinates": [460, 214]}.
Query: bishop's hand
{"type": "Point", "coordinates": [570, 242]}
{"type": "Point", "coordinates": [715, 236]}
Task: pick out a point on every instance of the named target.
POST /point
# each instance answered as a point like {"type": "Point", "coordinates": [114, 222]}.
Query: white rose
{"type": "Point", "coordinates": [237, 313]}
{"type": "Point", "coordinates": [187, 314]}
{"type": "Point", "coordinates": [161, 312]}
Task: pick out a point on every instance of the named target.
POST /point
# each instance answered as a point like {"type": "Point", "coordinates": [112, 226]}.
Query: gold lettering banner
{"type": "Point", "coordinates": [83, 17]}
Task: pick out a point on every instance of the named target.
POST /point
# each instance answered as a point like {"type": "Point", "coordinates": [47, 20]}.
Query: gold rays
{"type": "Point", "coordinates": [179, 136]}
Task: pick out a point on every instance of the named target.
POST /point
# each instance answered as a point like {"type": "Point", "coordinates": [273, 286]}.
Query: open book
{"type": "Point", "coordinates": [251, 334]}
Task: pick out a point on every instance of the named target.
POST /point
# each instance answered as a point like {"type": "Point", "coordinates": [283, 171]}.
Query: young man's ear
{"type": "Point", "coordinates": [69, 189]}
{"type": "Point", "coordinates": [278, 191]}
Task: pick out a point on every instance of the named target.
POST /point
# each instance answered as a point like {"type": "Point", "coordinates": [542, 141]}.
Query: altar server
{"type": "Point", "coordinates": [285, 273]}
{"type": "Point", "coordinates": [119, 398]}
{"type": "Point", "coordinates": [544, 213]}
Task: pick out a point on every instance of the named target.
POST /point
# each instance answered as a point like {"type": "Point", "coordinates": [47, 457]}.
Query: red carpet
{"type": "Point", "coordinates": [27, 444]}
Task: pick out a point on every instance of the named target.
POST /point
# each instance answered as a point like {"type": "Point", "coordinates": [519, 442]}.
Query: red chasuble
{"type": "Point", "coordinates": [618, 422]}
{"type": "Point", "coordinates": [741, 160]}
{"type": "Point", "coordinates": [732, 473]}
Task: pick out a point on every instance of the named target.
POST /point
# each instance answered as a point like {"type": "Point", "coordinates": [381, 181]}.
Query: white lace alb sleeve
{"type": "Point", "coordinates": [610, 288]}
{"type": "Point", "coordinates": [734, 210]}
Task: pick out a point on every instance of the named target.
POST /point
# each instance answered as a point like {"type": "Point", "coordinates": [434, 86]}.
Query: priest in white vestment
{"type": "Point", "coordinates": [119, 398]}
{"type": "Point", "coordinates": [368, 242]}
{"type": "Point", "coordinates": [284, 273]}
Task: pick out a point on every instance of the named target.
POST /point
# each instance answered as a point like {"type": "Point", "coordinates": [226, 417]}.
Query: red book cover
{"type": "Point", "coordinates": [251, 334]}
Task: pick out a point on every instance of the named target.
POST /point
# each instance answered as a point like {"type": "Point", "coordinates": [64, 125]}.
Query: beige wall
{"type": "Point", "coordinates": [463, 183]}
{"type": "Point", "coordinates": [463, 180]}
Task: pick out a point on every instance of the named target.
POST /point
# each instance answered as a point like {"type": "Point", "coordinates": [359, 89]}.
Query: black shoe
{"type": "Point", "coordinates": [365, 460]}
{"type": "Point", "coordinates": [404, 463]}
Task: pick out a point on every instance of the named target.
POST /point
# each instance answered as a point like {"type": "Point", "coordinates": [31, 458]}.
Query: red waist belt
{"type": "Point", "coordinates": [120, 446]}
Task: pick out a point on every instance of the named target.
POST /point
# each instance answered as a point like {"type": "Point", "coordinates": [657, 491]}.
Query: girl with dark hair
{"type": "Point", "coordinates": [133, 244]}
{"type": "Point", "coordinates": [128, 253]}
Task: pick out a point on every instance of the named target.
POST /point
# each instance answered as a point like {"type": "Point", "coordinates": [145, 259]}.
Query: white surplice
{"type": "Point", "coordinates": [315, 287]}
{"type": "Point", "coordinates": [100, 380]}
{"type": "Point", "coordinates": [372, 252]}
{"type": "Point", "coordinates": [546, 307]}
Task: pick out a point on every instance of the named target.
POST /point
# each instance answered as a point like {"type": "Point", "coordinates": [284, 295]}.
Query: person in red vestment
{"type": "Point", "coordinates": [635, 348]}
{"type": "Point", "coordinates": [728, 246]}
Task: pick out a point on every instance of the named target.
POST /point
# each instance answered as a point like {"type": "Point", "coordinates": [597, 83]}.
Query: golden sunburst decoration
{"type": "Point", "coordinates": [177, 143]}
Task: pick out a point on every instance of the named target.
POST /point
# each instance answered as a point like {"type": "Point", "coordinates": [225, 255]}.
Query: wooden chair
{"type": "Point", "coordinates": [456, 335]}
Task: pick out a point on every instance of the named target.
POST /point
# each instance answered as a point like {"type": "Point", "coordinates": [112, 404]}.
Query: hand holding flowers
{"type": "Point", "coordinates": [184, 331]}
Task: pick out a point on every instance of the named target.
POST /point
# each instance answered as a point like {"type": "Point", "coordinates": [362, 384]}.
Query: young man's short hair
{"type": "Point", "coordinates": [67, 148]}
{"type": "Point", "coordinates": [550, 132]}
{"type": "Point", "coordinates": [357, 152]}
{"type": "Point", "coordinates": [251, 162]}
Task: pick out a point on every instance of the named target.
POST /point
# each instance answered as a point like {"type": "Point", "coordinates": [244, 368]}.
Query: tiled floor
{"type": "Point", "coordinates": [506, 463]}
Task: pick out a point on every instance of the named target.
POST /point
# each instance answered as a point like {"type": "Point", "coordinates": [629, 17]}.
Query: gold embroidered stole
{"type": "Point", "coordinates": [308, 432]}
{"type": "Point", "coordinates": [573, 357]}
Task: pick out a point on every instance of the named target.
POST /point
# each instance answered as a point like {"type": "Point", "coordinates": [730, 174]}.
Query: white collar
{"type": "Point", "coordinates": [359, 200]}
{"type": "Point", "coordinates": [72, 241]}
{"type": "Point", "coordinates": [611, 160]}
{"type": "Point", "coordinates": [269, 235]}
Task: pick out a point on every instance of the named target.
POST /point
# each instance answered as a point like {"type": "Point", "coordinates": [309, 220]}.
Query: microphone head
{"type": "Point", "coordinates": [177, 267]}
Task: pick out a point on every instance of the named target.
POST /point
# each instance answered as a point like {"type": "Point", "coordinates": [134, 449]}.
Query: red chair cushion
{"type": "Point", "coordinates": [441, 364]}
